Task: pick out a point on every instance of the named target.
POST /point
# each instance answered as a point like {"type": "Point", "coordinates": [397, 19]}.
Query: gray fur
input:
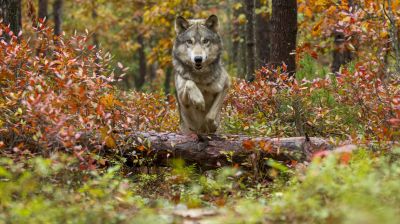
{"type": "Point", "coordinates": [201, 88]}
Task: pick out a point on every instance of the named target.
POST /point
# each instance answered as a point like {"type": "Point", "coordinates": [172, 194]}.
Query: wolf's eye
{"type": "Point", "coordinates": [190, 42]}
{"type": "Point", "coordinates": [206, 41]}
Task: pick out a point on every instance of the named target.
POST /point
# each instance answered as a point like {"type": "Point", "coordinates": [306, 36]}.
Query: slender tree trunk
{"type": "Point", "coordinates": [57, 11]}
{"type": "Point", "coordinates": [167, 84]}
{"type": "Point", "coordinates": [242, 58]}
{"type": "Point", "coordinates": [262, 35]}
{"type": "Point", "coordinates": [235, 44]}
{"type": "Point", "coordinates": [141, 78]}
{"type": "Point", "coordinates": [341, 53]}
{"type": "Point", "coordinates": [43, 16]}
{"type": "Point", "coordinates": [43, 9]}
{"type": "Point", "coordinates": [229, 41]}
{"type": "Point", "coordinates": [10, 12]}
{"type": "Point", "coordinates": [250, 40]}
{"type": "Point", "coordinates": [95, 36]}
{"type": "Point", "coordinates": [394, 34]}
{"type": "Point", "coordinates": [94, 17]}
{"type": "Point", "coordinates": [152, 71]}
{"type": "Point", "coordinates": [235, 32]}
{"type": "Point", "coordinates": [284, 34]}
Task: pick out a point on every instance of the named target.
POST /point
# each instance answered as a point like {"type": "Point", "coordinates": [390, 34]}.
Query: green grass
{"type": "Point", "coordinates": [366, 190]}
{"type": "Point", "coordinates": [309, 68]}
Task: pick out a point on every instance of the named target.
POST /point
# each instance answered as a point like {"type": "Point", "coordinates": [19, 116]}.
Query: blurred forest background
{"type": "Point", "coordinates": [139, 34]}
{"type": "Point", "coordinates": [86, 91]}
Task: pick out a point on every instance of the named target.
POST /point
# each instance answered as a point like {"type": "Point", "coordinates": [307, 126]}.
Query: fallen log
{"type": "Point", "coordinates": [214, 151]}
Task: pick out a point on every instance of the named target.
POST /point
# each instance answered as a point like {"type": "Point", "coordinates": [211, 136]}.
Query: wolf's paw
{"type": "Point", "coordinates": [197, 102]}
{"type": "Point", "coordinates": [196, 98]}
{"type": "Point", "coordinates": [211, 125]}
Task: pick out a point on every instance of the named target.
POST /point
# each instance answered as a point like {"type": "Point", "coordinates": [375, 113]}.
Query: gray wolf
{"type": "Point", "coordinates": [200, 79]}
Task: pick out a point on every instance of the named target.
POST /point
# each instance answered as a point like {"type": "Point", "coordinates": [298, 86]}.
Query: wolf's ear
{"type": "Point", "coordinates": [212, 23]}
{"type": "Point", "coordinates": [181, 25]}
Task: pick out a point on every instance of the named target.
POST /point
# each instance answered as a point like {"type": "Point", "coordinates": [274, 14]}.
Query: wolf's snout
{"type": "Point", "coordinates": [198, 59]}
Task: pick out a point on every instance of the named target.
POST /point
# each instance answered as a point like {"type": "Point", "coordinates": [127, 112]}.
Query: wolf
{"type": "Point", "coordinates": [200, 79]}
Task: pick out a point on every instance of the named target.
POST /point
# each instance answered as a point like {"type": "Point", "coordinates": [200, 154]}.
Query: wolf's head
{"type": "Point", "coordinates": [198, 43]}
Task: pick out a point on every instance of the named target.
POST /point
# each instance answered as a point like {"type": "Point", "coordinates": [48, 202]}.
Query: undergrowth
{"type": "Point", "coordinates": [364, 189]}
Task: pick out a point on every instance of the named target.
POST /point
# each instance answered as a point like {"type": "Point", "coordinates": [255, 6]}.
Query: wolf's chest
{"type": "Point", "coordinates": [216, 86]}
{"type": "Point", "coordinates": [210, 88]}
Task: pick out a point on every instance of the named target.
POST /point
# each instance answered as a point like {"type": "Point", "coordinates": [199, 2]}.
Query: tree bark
{"type": "Point", "coordinates": [212, 152]}
{"type": "Point", "coordinates": [94, 17]}
{"type": "Point", "coordinates": [236, 40]}
{"type": "Point", "coordinates": [10, 12]}
{"type": "Point", "coordinates": [141, 77]}
{"type": "Point", "coordinates": [57, 11]}
{"type": "Point", "coordinates": [262, 35]}
{"type": "Point", "coordinates": [242, 59]}
{"type": "Point", "coordinates": [341, 53]}
{"type": "Point", "coordinates": [167, 83]}
{"type": "Point", "coordinates": [95, 36]}
{"type": "Point", "coordinates": [284, 34]}
{"type": "Point", "coordinates": [43, 9]}
{"type": "Point", "coordinates": [250, 40]}
{"type": "Point", "coordinates": [394, 34]}
{"type": "Point", "coordinates": [43, 16]}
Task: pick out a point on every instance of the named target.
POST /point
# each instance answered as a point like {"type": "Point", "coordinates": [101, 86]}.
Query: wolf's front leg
{"type": "Point", "coordinates": [211, 120]}
{"type": "Point", "coordinates": [190, 95]}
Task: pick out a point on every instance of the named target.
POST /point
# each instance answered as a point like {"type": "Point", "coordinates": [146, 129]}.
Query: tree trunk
{"type": "Point", "coordinates": [262, 35]}
{"type": "Point", "coordinates": [341, 53]}
{"type": "Point", "coordinates": [241, 56]}
{"type": "Point", "coordinates": [394, 34]}
{"type": "Point", "coordinates": [212, 152]}
{"type": "Point", "coordinates": [43, 16]}
{"type": "Point", "coordinates": [250, 40]}
{"type": "Point", "coordinates": [95, 36]}
{"type": "Point", "coordinates": [57, 11]}
{"type": "Point", "coordinates": [284, 34]}
{"type": "Point", "coordinates": [235, 32]}
{"type": "Point", "coordinates": [141, 77]}
{"type": "Point", "coordinates": [94, 17]}
{"type": "Point", "coordinates": [153, 71]}
{"type": "Point", "coordinates": [229, 41]}
{"type": "Point", "coordinates": [167, 83]}
{"type": "Point", "coordinates": [43, 12]}
{"type": "Point", "coordinates": [10, 12]}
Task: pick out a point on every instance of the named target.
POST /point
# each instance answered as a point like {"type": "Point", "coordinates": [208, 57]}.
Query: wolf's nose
{"type": "Point", "coordinates": [198, 59]}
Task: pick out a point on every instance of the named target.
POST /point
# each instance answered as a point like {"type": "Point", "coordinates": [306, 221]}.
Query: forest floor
{"type": "Point", "coordinates": [63, 156]}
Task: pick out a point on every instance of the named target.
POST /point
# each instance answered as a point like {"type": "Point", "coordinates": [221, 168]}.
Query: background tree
{"type": "Point", "coordinates": [250, 39]}
{"type": "Point", "coordinates": [57, 12]}
{"type": "Point", "coordinates": [242, 70]}
{"type": "Point", "coordinates": [43, 9]}
{"type": "Point", "coordinates": [394, 33]}
{"type": "Point", "coordinates": [141, 76]}
{"type": "Point", "coordinates": [284, 34]}
{"type": "Point", "coordinates": [262, 27]}
{"type": "Point", "coordinates": [10, 12]}
{"type": "Point", "coordinates": [94, 17]}
{"type": "Point", "coordinates": [235, 33]}
{"type": "Point", "coordinates": [238, 33]}
{"type": "Point", "coordinates": [341, 52]}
